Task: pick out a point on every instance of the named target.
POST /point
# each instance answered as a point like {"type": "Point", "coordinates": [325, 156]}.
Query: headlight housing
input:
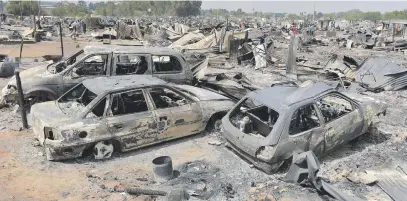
{"type": "Point", "coordinates": [49, 133]}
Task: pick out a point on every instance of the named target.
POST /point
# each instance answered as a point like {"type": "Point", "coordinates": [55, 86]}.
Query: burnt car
{"type": "Point", "coordinates": [50, 81]}
{"type": "Point", "coordinates": [268, 126]}
{"type": "Point", "coordinates": [123, 113]}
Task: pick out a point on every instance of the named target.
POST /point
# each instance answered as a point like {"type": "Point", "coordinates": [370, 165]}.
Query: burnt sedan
{"type": "Point", "coordinates": [268, 126]}
{"type": "Point", "coordinates": [121, 114]}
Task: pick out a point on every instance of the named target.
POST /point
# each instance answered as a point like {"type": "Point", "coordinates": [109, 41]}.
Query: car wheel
{"type": "Point", "coordinates": [214, 126]}
{"type": "Point", "coordinates": [103, 149]}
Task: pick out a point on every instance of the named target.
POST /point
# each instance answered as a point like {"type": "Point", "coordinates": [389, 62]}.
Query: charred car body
{"type": "Point", "coordinates": [267, 126]}
{"type": "Point", "coordinates": [123, 113]}
{"type": "Point", "coordinates": [44, 83]}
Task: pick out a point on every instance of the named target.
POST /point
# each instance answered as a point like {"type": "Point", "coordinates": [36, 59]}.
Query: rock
{"type": "Point", "coordinates": [116, 197]}
{"type": "Point", "coordinates": [91, 175]}
{"type": "Point", "coordinates": [215, 142]}
{"type": "Point", "coordinates": [142, 179]}
{"type": "Point", "coordinates": [252, 190]}
{"type": "Point", "coordinates": [35, 143]}
{"type": "Point", "coordinates": [362, 178]}
{"type": "Point", "coordinates": [260, 186]}
{"type": "Point", "coordinates": [367, 178]}
{"type": "Point", "coordinates": [114, 186]}
{"type": "Point", "coordinates": [283, 190]}
{"type": "Point", "coordinates": [266, 197]}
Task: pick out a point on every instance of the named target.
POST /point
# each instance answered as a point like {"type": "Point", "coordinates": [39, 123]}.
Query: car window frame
{"type": "Point", "coordinates": [354, 105]}
{"type": "Point", "coordinates": [147, 90]}
{"type": "Point", "coordinates": [108, 72]}
{"type": "Point", "coordinates": [94, 105]}
{"type": "Point", "coordinates": [321, 122]}
{"type": "Point", "coordinates": [111, 95]}
{"type": "Point", "coordinates": [153, 71]}
{"type": "Point", "coordinates": [114, 63]}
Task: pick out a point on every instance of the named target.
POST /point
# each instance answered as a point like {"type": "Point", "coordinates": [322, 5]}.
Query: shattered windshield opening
{"type": "Point", "coordinates": [75, 100]}
{"type": "Point", "coordinates": [60, 66]}
{"type": "Point", "coordinates": [254, 118]}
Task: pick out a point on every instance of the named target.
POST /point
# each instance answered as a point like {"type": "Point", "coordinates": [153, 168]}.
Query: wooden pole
{"type": "Point", "coordinates": [20, 89]}
{"type": "Point", "coordinates": [60, 37]}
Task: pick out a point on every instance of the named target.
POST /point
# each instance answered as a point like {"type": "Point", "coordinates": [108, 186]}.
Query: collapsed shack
{"type": "Point", "coordinates": [373, 74]}
{"type": "Point", "coordinates": [234, 87]}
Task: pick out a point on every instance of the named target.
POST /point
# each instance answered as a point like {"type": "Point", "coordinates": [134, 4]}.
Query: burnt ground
{"type": "Point", "coordinates": [213, 172]}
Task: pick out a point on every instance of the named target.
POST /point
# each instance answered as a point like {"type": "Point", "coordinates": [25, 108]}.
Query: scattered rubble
{"type": "Point", "coordinates": [237, 62]}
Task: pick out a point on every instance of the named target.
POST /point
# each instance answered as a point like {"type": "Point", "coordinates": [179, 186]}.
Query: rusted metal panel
{"type": "Point", "coordinates": [380, 74]}
{"type": "Point", "coordinates": [393, 183]}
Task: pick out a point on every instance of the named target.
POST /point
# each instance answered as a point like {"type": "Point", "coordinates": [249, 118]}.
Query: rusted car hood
{"type": "Point", "coordinates": [202, 94]}
{"type": "Point", "coordinates": [32, 76]}
{"type": "Point", "coordinates": [49, 113]}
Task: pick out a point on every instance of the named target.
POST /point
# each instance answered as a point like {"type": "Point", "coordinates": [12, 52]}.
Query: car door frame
{"type": "Point", "coordinates": [164, 124]}
{"type": "Point", "coordinates": [132, 134]}
{"type": "Point", "coordinates": [347, 135]}
{"type": "Point", "coordinates": [149, 60]}
{"type": "Point", "coordinates": [180, 77]}
{"type": "Point", "coordinates": [312, 139]}
{"type": "Point", "coordinates": [96, 134]}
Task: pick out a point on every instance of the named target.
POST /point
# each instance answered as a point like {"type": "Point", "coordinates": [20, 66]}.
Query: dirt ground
{"type": "Point", "coordinates": [214, 171]}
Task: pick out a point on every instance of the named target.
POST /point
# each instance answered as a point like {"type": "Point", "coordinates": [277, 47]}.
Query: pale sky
{"type": "Point", "coordinates": [306, 6]}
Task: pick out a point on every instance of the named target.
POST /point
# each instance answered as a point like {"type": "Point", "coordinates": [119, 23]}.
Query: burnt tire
{"type": "Point", "coordinates": [103, 149]}
{"type": "Point", "coordinates": [214, 125]}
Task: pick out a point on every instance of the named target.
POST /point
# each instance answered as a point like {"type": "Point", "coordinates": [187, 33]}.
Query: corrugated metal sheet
{"type": "Point", "coordinates": [380, 74]}
{"type": "Point", "coordinates": [393, 183]}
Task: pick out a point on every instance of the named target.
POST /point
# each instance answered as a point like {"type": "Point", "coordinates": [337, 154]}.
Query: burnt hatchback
{"type": "Point", "coordinates": [268, 126]}
{"type": "Point", "coordinates": [121, 114]}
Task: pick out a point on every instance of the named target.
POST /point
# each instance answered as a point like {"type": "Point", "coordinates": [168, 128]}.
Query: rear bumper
{"type": "Point", "coordinates": [268, 168]}
{"type": "Point", "coordinates": [236, 145]}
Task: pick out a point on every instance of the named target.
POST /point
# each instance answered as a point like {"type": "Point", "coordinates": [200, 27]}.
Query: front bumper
{"type": "Point", "coordinates": [55, 150]}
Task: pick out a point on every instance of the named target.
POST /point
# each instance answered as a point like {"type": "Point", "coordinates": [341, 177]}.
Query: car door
{"type": "Point", "coordinates": [130, 119]}
{"type": "Point", "coordinates": [303, 131]}
{"type": "Point", "coordinates": [342, 117]}
{"type": "Point", "coordinates": [131, 64]}
{"type": "Point", "coordinates": [176, 114]}
{"type": "Point", "coordinates": [94, 65]}
{"type": "Point", "coordinates": [169, 68]}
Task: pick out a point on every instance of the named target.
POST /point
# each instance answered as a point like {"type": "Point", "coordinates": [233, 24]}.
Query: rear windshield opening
{"type": "Point", "coordinates": [254, 118]}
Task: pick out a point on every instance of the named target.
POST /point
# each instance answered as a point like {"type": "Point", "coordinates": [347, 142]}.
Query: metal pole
{"type": "Point", "coordinates": [313, 14]}
{"type": "Point", "coordinates": [20, 90]}
{"type": "Point", "coordinates": [60, 37]}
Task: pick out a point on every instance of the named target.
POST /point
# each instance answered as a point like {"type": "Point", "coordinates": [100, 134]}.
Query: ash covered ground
{"type": "Point", "coordinates": [211, 172]}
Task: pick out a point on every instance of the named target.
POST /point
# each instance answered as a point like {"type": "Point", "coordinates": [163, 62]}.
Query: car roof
{"type": "Point", "coordinates": [128, 49]}
{"type": "Point", "coordinates": [283, 96]}
{"type": "Point", "coordinates": [101, 85]}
